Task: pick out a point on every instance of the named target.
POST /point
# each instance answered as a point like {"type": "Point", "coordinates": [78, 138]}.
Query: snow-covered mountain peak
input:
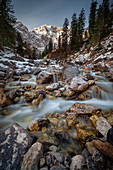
{"type": "Point", "coordinates": [39, 37]}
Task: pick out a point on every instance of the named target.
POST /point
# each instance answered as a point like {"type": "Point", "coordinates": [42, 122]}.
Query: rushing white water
{"type": "Point", "coordinates": [23, 114]}
{"type": "Point", "coordinates": [17, 84]}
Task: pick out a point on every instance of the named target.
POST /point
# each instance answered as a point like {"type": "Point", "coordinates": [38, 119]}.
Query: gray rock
{"type": "Point", "coordinates": [70, 70]}
{"type": "Point", "coordinates": [44, 77]}
{"type": "Point", "coordinates": [85, 154]}
{"type": "Point", "coordinates": [53, 148]}
{"type": "Point", "coordinates": [110, 136]}
{"type": "Point", "coordinates": [99, 160]}
{"type": "Point", "coordinates": [58, 168]}
{"type": "Point", "coordinates": [61, 135]}
{"type": "Point", "coordinates": [52, 87]}
{"type": "Point", "coordinates": [78, 84]}
{"type": "Point", "coordinates": [36, 71]}
{"type": "Point", "coordinates": [52, 157]}
{"type": "Point", "coordinates": [44, 168]}
{"type": "Point", "coordinates": [32, 157]}
{"type": "Point", "coordinates": [14, 143]}
{"type": "Point", "coordinates": [103, 126]}
{"type": "Point", "coordinates": [67, 161]}
{"type": "Point", "coordinates": [42, 161]}
{"type": "Point", "coordinates": [90, 164]}
{"type": "Point", "coordinates": [77, 162]}
{"type": "Point", "coordinates": [90, 148]}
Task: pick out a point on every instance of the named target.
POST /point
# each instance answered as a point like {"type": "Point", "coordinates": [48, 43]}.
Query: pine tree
{"type": "Point", "coordinates": [59, 41]}
{"type": "Point", "coordinates": [81, 25]}
{"type": "Point", "coordinates": [92, 18]}
{"type": "Point", "coordinates": [65, 33]}
{"type": "Point", "coordinates": [106, 18]}
{"type": "Point", "coordinates": [99, 23]}
{"type": "Point", "coordinates": [73, 38]}
{"type": "Point", "coordinates": [50, 45]}
{"type": "Point", "coordinates": [7, 32]}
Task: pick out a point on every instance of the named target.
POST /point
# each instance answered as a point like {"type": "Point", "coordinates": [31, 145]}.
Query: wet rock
{"type": "Point", "coordinates": [62, 136]}
{"type": "Point", "coordinates": [86, 95]}
{"type": "Point", "coordinates": [14, 143]}
{"type": "Point", "coordinates": [67, 161]}
{"type": "Point", "coordinates": [5, 101]}
{"type": "Point", "coordinates": [13, 94]}
{"type": "Point", "coordinates": [91, 149]}
{"type": "Point", "coordinates": [89, 77]}
{"type": "Point", "coordinates": [44, 168]}
{"type": "Point", "coordinates": [44, 77]}
{"type": "Point", "coordinates": [105, 147]}
{"type": "Point", "coordinates": [2, 85]}
{"type": "Point", "coordinates": [16, 78]}
{"type": "Point", "coordinates": [54, 121]}
{"type": "Point", "coordinates": [53, 157]}
{"type": "Point", "coordinates": [58, 168]}
{"type": "Point", "coordinates": [42, 161]}
{"type": "Point", "coordinates": [93, 119]}
{"type": "Point", "coordinates": [77, 162]}
{"type": "Point", "coordinates": [71, 119]}
{"type": "Point", "coordinates": [37, 125]}
{"type": "Point", "coordinates": [43, 123]}
{"type": "Point", "coordinates": [57, 93]}
{"type": "Point", "coordinates": [24, 78]}
{"type": "Point", "coordinates": [103, 126]}
{"type": "Point", "coordinates": [36, 71]}
{"type": "Point", "coordinates": [82, 109]}
{"type": "Point", "coordinates": [29, 96]}
{"type": "Point", "coordinates": [53, 148]}
{"type": "Point", "coordinates": [16, 99]}
{"type": "Point", "coordinates": [91, 82]}
{"type": "Point", "coordinates": [110, 136]}
{"type": "Point", "coordinates": [99, 160]}
{"type": "Point", "coordinates": [90, 164]}
{"type": "Point", "coordinates": [85, 154]}
{"type": "Point", "coordinates": [52, 87]}
{"type": "Point", "coordinates": [85, 135]}
{"type": "Point", "coordinates": [78, 84]}
{"type": "Point", "coordinates": [32, 157]}
{"type": "Point", "coordinates": [33, 126]}
{"type": "Point", "coordinates": [68, 92]}
{"type": "Point", "coordinates": [38, 100]}
{"type": "Point", "coordinates": [43, 92]}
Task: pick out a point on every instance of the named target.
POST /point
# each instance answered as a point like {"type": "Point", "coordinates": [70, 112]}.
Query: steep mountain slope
{"type": "Point", "coordinates": [39, 37]}
{"type": "Point", "coordinates": [96, 57]}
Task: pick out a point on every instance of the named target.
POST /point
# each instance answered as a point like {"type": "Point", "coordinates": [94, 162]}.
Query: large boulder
{"type": "Point", "coordinates": [52, 87]}
{"type": "Point", "coordinates": [44, 77]}
{"type": "Point", "coordinates": [77, 162]}
{"type": "Point", "coordinates": [14, 143]}
{"type": "Point", "coordinates": [70, 70]}
{"type": "Point", "coordinates": [32, 157]}
{"type": "Point", "coordinates": [78, 84]}
{"type": "Point", "coordinates": [82, 109]}
{"type": "Point", "coordinates": [103, 126]}
{"type": "Point", "coordinates": [105, 147]}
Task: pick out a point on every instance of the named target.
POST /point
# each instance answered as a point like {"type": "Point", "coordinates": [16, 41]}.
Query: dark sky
{"type": "Point", "coordinates": [35, 13]}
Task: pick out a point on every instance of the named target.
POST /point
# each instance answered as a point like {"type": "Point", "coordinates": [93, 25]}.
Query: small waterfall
{"type": "Point", "coordinates": [100, 93]}
{"type": "Point", "coordinates": [55, 77]}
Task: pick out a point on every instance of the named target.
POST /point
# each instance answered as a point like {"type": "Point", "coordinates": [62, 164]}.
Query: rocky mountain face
{"type": "Point", "coordinates": [39, 37]}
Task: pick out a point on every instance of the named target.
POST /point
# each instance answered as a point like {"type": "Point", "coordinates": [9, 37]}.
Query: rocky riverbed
{"type": "Point", "coordinates": [64, 119]}
{"type": "Point", "coordinates": [57, 114]}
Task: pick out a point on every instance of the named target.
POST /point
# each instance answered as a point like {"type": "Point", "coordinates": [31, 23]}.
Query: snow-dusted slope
{"type": "Point", "coordinates": [39, 37]}
{"type": "Point", "coordinates": [98, 57]}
